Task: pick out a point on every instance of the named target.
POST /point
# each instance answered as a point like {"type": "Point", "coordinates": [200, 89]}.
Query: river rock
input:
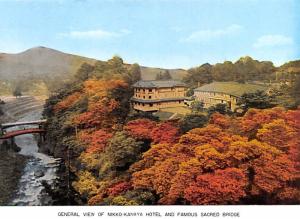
{"type": "Point", "coordinates": [39, 173]}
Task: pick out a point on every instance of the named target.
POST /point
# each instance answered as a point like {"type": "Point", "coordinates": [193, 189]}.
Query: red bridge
{"type": "Point", "coordinates": [4, 134]}
{"type": "Point", "coordinates": [12, 134]}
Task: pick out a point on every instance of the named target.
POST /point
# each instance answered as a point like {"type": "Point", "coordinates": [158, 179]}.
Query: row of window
{"type": "Point", "coordinates": [151, 104]}
{"type": "Point", "coordinates": [139, 89]}
{"type": "Point", "coordinates": [162, 95]}
{"type": "Point", "coordinates": [139, 96]}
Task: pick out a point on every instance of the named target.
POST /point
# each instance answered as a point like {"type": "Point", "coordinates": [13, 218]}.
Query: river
{"type": "Point", "coordinates": [39, 167]}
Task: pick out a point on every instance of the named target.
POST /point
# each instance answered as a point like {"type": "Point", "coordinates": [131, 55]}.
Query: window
{"type": "Point", "coordinates": [151, 104]}
{"type": "Point", "coordinates": [144, 97]}
{"type": "Point", "coordinates": [150, 90]}
{"type": "Point", "coordinates": [149, 97]}
{"type": "Point", "coordinates": [143, 104]}
{"type": "Point", "coordinates": [143, 90]}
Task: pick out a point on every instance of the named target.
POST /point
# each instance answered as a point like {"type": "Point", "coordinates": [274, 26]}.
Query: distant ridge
{"type": "Point", "coordinates": [39, 61]}
{"type": "Point", "coordinates": [42, 61]}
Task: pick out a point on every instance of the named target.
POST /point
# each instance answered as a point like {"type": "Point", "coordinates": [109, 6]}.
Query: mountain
{"type": "Point", "coordinates": [41, 61]}
{"type": "Point", "coordinates": [38, 62]}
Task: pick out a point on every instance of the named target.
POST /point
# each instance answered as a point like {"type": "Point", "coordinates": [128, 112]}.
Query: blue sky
{"type": "Point", "coordinates": [158, 33]}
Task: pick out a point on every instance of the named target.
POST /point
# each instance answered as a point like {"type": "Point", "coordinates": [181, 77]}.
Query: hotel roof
{"type": "Point", "coordinates": [232, 88]}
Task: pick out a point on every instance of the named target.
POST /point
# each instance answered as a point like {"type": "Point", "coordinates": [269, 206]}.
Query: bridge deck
{"type": "Point", "coordinates": [21, 132]}
{"type": "Point", "coordinates": [7, 125]}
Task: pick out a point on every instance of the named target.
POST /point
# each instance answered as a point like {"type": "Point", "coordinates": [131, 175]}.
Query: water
{"type": "Point", "coordinates": [30, 190]}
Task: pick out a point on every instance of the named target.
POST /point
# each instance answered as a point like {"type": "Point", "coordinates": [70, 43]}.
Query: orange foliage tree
{"type": "Point", "coordinates": [95, 140]}
{"type": "Point", "coordinates": [221, 187]}
{"type": "Point", "coordinates": [67, 102]}
{"type": "Point", "coordinates": [100, 105]}
{"type": "Point", "coordinates": [197, 166]}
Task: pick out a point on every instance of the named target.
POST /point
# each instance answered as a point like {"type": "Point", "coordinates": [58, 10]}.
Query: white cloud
{"type": "Point", "coordinates": [273, 40]}
{"type": "Point", "coordinates": [206, 35]}
{"type": "Point", "coordinates": [95, 34]}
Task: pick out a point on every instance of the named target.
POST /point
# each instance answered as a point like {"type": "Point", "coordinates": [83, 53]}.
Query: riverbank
{"type": "Point", "coordinates": [12, 163]}
{"type": "Point", "coordinates": [11, 169]}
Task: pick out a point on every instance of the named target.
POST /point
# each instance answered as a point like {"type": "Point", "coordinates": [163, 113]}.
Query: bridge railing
{"type": "Point", "coordinates": [9, 125]}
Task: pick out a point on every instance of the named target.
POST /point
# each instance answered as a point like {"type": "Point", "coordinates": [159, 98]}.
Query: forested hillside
{"type": "Point", "coordinates": [114, 156]}
{"type": "Point", "coordinates": [42, 70]}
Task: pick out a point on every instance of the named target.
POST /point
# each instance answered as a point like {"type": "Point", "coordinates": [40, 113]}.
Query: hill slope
{"type": "Point", "coordinates": [39, 61]}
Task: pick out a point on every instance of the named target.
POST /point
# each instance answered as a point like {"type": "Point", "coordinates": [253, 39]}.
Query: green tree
{"type": "Point", "coordinates": [199, 75]}
{"type": "Point", "coordinates": [158, 76]}
{"type": "Point", "coordinates": [192, 121]}
{"type": "Point", "coordinates": [84, 72]}
{"type": "Point", "coordinates": [197, 106]}
{"type": "Point", "coordinates": [164, 76]}
{"type": "Point", "coordinates": [121, 152]}
{"type": "Point", "coordinates": [134, 74]}
{"type": "Point", "coordinates": [220, 108]}
{"type": "Point", "coordinates": [259, 100]}
{"type": "Point", "coordinates": [295, 90]}
{"type": "Point", "coordinates": [17, 92]}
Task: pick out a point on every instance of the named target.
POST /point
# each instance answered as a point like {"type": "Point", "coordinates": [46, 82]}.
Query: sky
{"type": "Point", "coordinates": [156, 33]}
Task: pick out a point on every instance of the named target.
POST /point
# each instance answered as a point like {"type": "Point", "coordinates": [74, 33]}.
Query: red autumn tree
{"type": "Point", "coordinates": [164, 133]}
{"type": "Point", "coordinates": [259, 168]}
{"type": "Point", "coordinates": [221, 187]}
{"type": "Point", "coordinates": [119, 188]}
{"type": "Point", "coordinates": [140, 128]}
{"type": "Point", "coordinates": [255, 118]}
{"type": "Point", "coordinates": [95, 140]}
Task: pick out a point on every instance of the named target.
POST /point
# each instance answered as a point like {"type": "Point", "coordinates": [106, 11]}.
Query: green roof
{"type": "Point", "coordinates": [232, 88]}
{"type": "Point", "coordinates": [159, 84]}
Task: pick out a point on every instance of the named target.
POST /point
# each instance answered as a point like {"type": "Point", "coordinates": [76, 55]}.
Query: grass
{"type": "Point", "coordinates": [179, 110]}
{"type": "Point", "coordinates": [173, 112]}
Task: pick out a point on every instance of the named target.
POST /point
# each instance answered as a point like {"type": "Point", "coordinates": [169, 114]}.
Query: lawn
{"type": "Point", "coordinates": [180, 110]}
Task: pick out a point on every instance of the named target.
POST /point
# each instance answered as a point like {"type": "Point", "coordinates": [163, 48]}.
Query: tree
{"type": "Point", "coordinates": [17, 92]}
{"type": "Point", "coordinates": [295, 91]}
{"type": "Point", "coordinates": [164, 133]}
{"type": "Point", "coordinates": [221, 187]}
{"type": "Point", "coordinates": [158, 76]}
{"type": "Point", "coordinates": [68, 102]}
{"type": "Point", "coordinates": [102, 105]}
{"type": "Point", "coordinates": [219, 108]}
{"type": "Point", "coordinates": [135, 73]}
{"type": "Point", "coordinates": [96, 141]}
{"type": "Point", "coordinates": [259, 100]}
{"type": "Point", "coordinates": [197, 106]}
{"type": "Point", "coordinates": [84, 72]}
{"type": "Point", "coordinates": [140, 128]}
{"type": "Point", "coordinates": [199, 165]}
{"type": "Point", "coordinates": [278, 134]}
{"type": "Point", "coordinates": [120, 153]}
{"type": "Point", "coordinates": [199, 75]}
{"type": "Point", "coordinates": [192, 121]}
{"type": "Point", "coordinates": [163, 76]}
{"type": "Point", "coordinates": [166, 75]}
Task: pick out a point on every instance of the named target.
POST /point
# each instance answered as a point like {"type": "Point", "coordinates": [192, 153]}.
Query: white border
{"type": "Point", "coordinates": [244, 212]}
